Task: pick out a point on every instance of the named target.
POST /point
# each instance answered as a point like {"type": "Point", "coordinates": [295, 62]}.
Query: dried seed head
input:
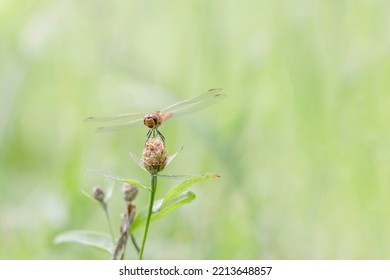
{"type": "Point", "coordinates": [129, 192]}
{"type": "Point", "coordinates": [98, 194]}
{"type": "Point", "coordinates": [154, 156]}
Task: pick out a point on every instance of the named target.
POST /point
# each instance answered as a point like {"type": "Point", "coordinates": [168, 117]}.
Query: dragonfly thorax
{"type": "Point", "coordinates": [153, 120]}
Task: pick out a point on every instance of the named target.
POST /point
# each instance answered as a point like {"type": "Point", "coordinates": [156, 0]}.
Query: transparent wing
{"type": "Point", "coordinates": [195, 104]}
{"type": "Point", "coordinates": [120, 117]}
{"type": "Point", "coordinates": [123, 121]}
{"type": "Point", "coordinates": [121, 126]}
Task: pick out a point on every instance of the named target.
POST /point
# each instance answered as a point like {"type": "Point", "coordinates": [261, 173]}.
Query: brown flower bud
{"type": "Point", "coordinates": [154, 156]}
{"type": "Point", "coordinates": [129, 192]}
{"type": "Point", "coordinates": [98, 194]}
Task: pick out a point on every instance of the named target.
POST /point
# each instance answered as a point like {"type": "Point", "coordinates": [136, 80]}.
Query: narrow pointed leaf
{"type": "Point", "coordinates": [160, 210]}
{"type": "Point", "coordinates": [174, 177]}
{"type": "Point", "coordinates": [109, 193]}
{"type": "Point", "coordinates": [88, 196]}
{"type": "Point", "coordinates": [187, 184]}
{"type": "Point", "coordinates": [138, 161]}
{"type": "Point", "coordinates": [91, 238]}
{"type": "Point", "coordinates": [173, 156]}
{"type": "Point", "coordinates": [117, 178]}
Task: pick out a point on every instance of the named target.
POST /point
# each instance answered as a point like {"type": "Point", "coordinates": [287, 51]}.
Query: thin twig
{"type": "Point", "coordinates": [127, 220]}
{"type": "Point", "coordinates": [134, 242]}
{"type": "Point", "coordinates": [109, 221]}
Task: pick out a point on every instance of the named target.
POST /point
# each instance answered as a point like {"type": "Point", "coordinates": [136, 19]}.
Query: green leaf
{"type": "Point", "coordinates": [173, 156]}
{"type": "Point", "coordinates": [108, 194]}
{"type": "Point", "coordinates": [88, 196]}
{"type": "Point", "coordinates": [160, 209]}
{"type": "Point", "coordinates": [117, 178]}
{"type": "Point", "coordinates": [174, 192]}
{"type": "Point", "coordinates": [138, 161]}
{"type": "Point", "coordinates": [87, 237]}
{"type": "Point", "coordinates": [174, 177]}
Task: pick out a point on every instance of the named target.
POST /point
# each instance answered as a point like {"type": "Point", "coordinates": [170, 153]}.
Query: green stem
{"type": "Point", "coordinates": [109, 221]}
{"type": "Point", "coordinates": [150, 210]}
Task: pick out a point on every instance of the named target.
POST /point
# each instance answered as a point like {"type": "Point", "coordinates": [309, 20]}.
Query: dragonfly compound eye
{"type": "Point", "coordinates": [150, 121]}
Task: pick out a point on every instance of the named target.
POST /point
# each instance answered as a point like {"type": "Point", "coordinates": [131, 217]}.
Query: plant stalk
{"type": "Point", "coordinates": [150, 211]}
{"type": "Point", "coordinates": [109, 221]}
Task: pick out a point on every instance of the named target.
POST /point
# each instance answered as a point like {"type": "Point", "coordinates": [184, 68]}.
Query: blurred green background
{"type": "Point", "coordinates": [301, 141]}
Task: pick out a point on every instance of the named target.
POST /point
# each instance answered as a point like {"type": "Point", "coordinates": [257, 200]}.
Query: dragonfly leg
{"type": "Point", "coordinates": [149, 134]}
{"type": "Point", "coordinates": [152, 133]}
{"type": "Point", "coordinates": [162, 136]}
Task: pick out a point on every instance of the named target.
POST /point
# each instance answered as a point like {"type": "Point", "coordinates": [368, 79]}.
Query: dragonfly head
{"type": "Point", "coordinates": [153, 120]}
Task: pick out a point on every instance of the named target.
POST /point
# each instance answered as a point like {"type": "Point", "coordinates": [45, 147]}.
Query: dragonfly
{"type": "Point", "coordinates": [155, 119]}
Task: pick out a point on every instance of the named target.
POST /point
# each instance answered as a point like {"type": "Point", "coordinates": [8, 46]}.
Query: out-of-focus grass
{"type": "Point", "coordinates": [301, 142]}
